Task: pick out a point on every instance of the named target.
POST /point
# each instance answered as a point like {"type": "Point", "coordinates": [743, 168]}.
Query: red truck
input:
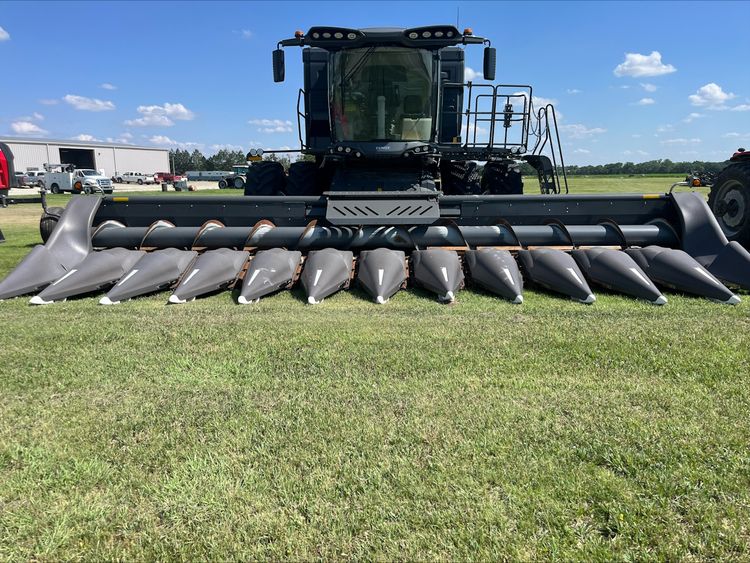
{"type": "Point", "coordinates": [167, 177]}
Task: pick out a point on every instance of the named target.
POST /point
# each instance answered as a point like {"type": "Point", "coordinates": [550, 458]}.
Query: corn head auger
{"type": "Point", "coordinates": [391, 196]}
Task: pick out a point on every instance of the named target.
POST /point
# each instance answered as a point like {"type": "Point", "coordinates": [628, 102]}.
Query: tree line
{"type": "Point", "coordinates": [224, 160]}
{"type": "Point", "coordinates": [183, 160]}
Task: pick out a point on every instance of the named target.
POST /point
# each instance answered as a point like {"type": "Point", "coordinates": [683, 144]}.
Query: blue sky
{"type": "Point", "coordinates": [632, 81]}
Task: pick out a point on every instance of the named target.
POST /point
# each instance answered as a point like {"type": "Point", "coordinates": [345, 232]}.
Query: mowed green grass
{"type": "Point", "coordinates": [413, 430]}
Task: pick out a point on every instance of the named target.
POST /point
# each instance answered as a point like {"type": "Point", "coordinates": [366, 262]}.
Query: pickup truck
{"type": "Point", "coordinates": [135, 178]}
{"type": "Point", "coordinates": [167, 177]}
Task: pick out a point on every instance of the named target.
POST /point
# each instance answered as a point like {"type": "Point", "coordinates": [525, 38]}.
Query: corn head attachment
{"type": "Point", "coordinates": [567, 244]}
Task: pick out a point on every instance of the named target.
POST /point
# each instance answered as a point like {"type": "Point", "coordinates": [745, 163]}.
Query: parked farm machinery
{"type": "Point", "coordinates": [392, 197]}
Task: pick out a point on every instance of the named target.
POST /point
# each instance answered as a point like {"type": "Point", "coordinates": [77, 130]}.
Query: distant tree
{"type": "Point", "coordinates": [181, 160]}
{"type": "Point", "coordinates": [279, 157]}
{"type": "Point", "coordinates": [197, 161]}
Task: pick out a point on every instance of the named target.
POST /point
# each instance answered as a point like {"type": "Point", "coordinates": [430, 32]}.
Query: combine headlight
{"type": "Point", "coordinates": [338, 35]}
{"type": "Point", "coordinates": [351, 36]}
{"type": "Point", "coordinates": [426, 34]}
{"type": "Point", "coordinates": [259, 152]}
{"type": "Point", "coordinates": [438, 34]}
{"type": "Point", "coordinates": [449, 34]}
{"type": "Point", "coordinates": [413, 35]}
{"type": "Point", "coordinates": [340, 149]}
{"type": "Point", "coordinates": [348, 149]}
{"type": "Point", "coordinates": [316, 35]}
{"type": "Point", "coordinates": [326, 35]}
{"type": "Point", "coordinates": [253, 152]}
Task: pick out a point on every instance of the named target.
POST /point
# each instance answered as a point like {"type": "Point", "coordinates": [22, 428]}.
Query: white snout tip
{"type": "Point", "coordinates": [312, 301]}
{"type": "Point", "coordinates": [176, 300]}
{"type": "Point", "coordinates": [661, 300]}
{"type": "Point", "coordinates": [107, 301]}
{"type": "Point", "coordinates": [733, 300]}
{"type": "Point", "coordinates": [590, 299]}
{"type": "Point", "coordinates": [518, 300]}
{"type": "Point", "coordinates": [36, 300]}
{"type": "Point", "coordinates": [380, 300]}
{"type": "Point", "coordinates": [242, 300]}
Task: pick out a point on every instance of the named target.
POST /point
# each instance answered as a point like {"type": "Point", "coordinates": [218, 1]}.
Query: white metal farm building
{"type": "Point", "coordinates": [113, 158]}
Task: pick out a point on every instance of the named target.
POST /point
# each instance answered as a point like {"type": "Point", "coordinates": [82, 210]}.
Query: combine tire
{"type": "Point", "coordinates": [460, 177]}
{"type": "Point", "coordinates": [49, 220]}
{"type": "Point", "coordinates": [729, 199]}
{"type": "Point", "coordinates": [265, 178]}
{"type": "Point", "coordinates": [238, 183]}
{"type": "Point", "coordinates": [500, 179]}
{"type": "Point", "coordinates": [222, 184]}
{"type": "Point", "coordinates": [303, 179]}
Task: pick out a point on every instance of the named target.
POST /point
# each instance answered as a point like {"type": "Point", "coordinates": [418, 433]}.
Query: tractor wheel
{"type": "Point", "coordinates": [265, 178]}
{"type": "Point", "coordinates": [55, 189]}
{"type": "Point", "coordinates": [729, 200]}
{"type": "Point", "coordinates": [303, 179]}
{"type": "Point", "coordinates": [501, 179]}
{"type": "Point", "coordinates": [222, 184]}
{"type": "Point", "coordinates": [239, 183]}
{"type": "Point", "coordinates": [460, 177]}
{"type": "Point", "coordinates": [49, 220]}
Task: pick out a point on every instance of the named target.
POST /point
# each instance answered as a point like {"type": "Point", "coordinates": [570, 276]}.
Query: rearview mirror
{"type": "Point", "coordinates": [490, 59]}
{"type": "Point", "coordinates": [278, 65]}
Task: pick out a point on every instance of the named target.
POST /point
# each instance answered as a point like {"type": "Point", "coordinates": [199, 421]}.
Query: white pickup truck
{"type": "Point", "coordinates": [63, 179]}
{"type": "Point", "coordinates": [135, 178]}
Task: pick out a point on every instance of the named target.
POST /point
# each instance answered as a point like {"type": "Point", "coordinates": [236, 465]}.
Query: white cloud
{"type": "Point", "coordinates": [4, 35]}
{"type": "Point", "coordinates": [646, 102]}
{"type": "Point", "coordinates": [741, 107]}
{"type": "Point", "coordinates": [735, 135]}
{"type": "Point", "coordinates": [540, 102]}
{"type": "Point", "coordinates": [85, 137]}
{"type": "Point", "coordinates": [664, 128]}
{"type": "Point", "coordinates": [36, 116]}
{"type": "Point", "coordinates": [150, 121]}
{"type": "Point", "coordinates": [272, 125]}
{"type": "Point", "coordinates": [226, 147]}
{"type": "Point", "coordinates": [649, 87]}
{"type": "Point", "coordinates": [581, 151]}
{"type": "Point", "coordinates": [578, 131]}
{"type": "Point", "coordinates": [574, 91]}
{"type": "Point", "coordinates": [692, 117]}
{"type": "Point", "coordinates": [27, 128]}
{"type": "Point", "coordinates": [163, 140]}
{"type": "Point", "coordinates": [49, 102]}
{"type": "Point", "coordinates": [88, 104]}
{"type": "Point", "coordinates": [636, 135]}
{"type": "Point", "coordinates": [470, 74]}
{"type": "Point", "coordinates": [108, 86]}
{"type": "Point", "coordinates": [681, 141]}
{"type": "Point", "coordinates": [246, 33]}
{"type": "Point", "coordinates": [160, 116]}
{"type": "Point", "coordinates": [711, 96]}
{"type": "Point", "coordinates": [637, 65]}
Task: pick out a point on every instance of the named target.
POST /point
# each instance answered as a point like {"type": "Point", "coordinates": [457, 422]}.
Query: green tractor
{"type": "Point", "coordinates": [236, 179]}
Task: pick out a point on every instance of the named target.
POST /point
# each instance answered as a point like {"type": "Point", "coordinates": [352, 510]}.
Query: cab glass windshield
{"type": "Point", "coordinates": [382, 94]}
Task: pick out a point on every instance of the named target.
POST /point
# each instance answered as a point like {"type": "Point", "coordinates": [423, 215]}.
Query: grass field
{"type": "Point", "coordinates": [413, 430]}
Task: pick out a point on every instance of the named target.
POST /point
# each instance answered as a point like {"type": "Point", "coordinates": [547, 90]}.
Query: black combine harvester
{"type": "Point", "coordinates": [391, 196]}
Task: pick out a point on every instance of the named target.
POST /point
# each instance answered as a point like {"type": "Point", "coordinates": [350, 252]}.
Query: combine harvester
{"type": "Point", "coordinates": [392, 196]}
